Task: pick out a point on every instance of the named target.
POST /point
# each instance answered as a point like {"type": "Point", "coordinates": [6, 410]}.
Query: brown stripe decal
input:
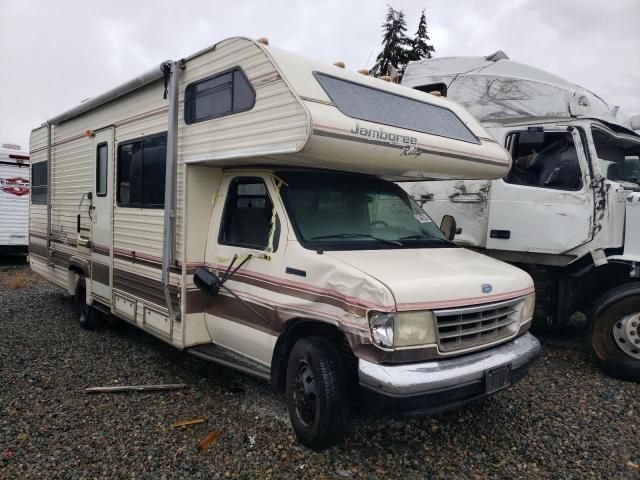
{"type": "Point", "coordinates": [101, 249]}
{"type": "Point", "coordinates": [146, 288]}
{"type": "Point", "coordinates": [240, 311]}
{"type": "Point", "coordinates": [351, 138]}
{"type": "Point", "coordinates": [304, 295]}
{"type": "Point", "coordinates": [38, 249]}
{"type": "Point", "coordinates": [100, 273]}
{"type": "Point", "coordinates": [146, 260]}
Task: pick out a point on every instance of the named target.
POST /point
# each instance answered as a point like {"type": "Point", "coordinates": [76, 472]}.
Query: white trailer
{"type": "Point", "coordinates": [14, 199]}
{"type": "Point", "coordinates": [238, 204]}
{"type": "Point", "coordinates": [568, 212]}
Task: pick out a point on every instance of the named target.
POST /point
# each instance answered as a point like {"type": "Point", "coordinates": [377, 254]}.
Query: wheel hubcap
{"type": "Point", "coordinates": [304, 393]}
{"type": "Point", "coordinates": [626, 333]}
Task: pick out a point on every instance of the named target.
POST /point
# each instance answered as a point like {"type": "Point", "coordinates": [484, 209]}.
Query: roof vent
{"type": "Point", "coordinates": [495, 56]}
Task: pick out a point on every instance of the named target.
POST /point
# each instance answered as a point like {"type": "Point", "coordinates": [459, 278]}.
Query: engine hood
{"type": "Point", "coordinates": [439, 277]}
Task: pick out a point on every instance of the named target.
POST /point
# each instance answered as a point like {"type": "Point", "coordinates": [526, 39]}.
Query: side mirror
{"type": "Point", "coordinates": [206, 281]}
{"type": "Point", "coordinates": [448, 227]}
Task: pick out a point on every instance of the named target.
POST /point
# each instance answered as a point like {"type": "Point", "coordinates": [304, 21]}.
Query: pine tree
{"type": "Point", "coordinates": [420, 48]}
{"type": "Point", "coordinates": [395, 43]}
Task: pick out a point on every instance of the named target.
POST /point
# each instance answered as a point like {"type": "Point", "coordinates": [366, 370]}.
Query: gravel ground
{"type": "Point", "coordinates": [565, 420]}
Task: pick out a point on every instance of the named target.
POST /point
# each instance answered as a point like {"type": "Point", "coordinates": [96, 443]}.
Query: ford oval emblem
{"type": "Point", "coordinates": [486, 288]}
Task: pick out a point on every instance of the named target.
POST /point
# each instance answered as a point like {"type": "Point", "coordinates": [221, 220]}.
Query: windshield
{"type": "Point", "coordinates": [619, 158]}
{"type": "Point", "coordinates": [335, 211]}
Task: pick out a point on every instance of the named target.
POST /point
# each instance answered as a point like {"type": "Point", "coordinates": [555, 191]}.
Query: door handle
{"type": "Point", "coordinates": [500, 234]}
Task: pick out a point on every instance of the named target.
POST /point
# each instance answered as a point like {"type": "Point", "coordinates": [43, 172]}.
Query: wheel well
{"type": "Point", "coordinates": [295, 330]}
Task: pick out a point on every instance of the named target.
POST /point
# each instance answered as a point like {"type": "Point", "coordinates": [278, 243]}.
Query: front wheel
{"type": "Point", "coordinates": [84, 313]}
{"type": "Point", "coordinates": [316, 393]}
{"type": "Point", "coordinates": [615, 331]}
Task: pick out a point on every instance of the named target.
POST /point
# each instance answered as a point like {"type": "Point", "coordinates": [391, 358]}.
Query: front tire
{"type": "Point", "coordinates": [615, 331]}
{"type": "Point", "coordinates": [316, 393]}
{"type": "Point", "coordinates": [85, 314]}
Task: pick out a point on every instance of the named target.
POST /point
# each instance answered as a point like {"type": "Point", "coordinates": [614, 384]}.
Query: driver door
{"type": "Point", "coordinates": [545, 203]}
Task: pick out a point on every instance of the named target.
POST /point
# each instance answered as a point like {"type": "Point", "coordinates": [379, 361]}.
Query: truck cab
{"type": "Point", "coordinates": [567, 211]}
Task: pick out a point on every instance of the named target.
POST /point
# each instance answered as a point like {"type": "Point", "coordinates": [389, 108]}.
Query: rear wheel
{"type": "Point", "coordinates": [85, 314]}
{"type": "Point", "coordinates": [615, 331]}
{"type": "Point", "coordinates": [316, 393]}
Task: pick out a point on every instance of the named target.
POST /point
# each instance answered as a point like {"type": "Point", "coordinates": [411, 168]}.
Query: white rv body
{"type": "Point", "coordinates": [568, 214]}
{"type": "Point", "coordinates": [14, 199]}
{"type": "Point", "coordinates": [259, 288]}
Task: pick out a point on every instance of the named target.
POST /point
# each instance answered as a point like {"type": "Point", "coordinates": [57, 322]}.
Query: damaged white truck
{"type": "Point", "coordinates": [568, 211]}
{"type": "Point", "coordinates": [239, 204]}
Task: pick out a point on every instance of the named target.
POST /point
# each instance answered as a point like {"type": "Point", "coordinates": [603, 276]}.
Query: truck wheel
{"type": "Point", "coordinates": [615, 331]}
{"type": "Point", "coordinates": [316, 393]}
{"type": "Point", "coordinates": [85, 313]}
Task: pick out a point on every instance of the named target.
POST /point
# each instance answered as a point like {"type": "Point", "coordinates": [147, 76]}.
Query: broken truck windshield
{"type": "Point", "coordinates": [619, 158]}
{"type": "Point", "coordinates": [334, 211]}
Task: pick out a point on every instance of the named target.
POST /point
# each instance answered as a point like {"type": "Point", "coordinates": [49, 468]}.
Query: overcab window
{"type": "Point", "coordinates": [39, 183]}
{"type": "Point", "coordinates": [141, 172]}
{"type": "Point", "coordinates": [219, 95]}
{"type": "Point", "coordinates": [379, 106]}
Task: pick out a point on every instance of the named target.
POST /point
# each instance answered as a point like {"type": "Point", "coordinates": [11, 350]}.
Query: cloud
{"type": "Point", "coordinates": [56, 54]}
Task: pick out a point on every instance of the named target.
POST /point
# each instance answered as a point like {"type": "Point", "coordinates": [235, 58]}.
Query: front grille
{"type": "Point", "coordinates": [469, 327]}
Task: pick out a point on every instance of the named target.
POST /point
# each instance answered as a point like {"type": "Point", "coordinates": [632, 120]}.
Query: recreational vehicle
{"type": "Point", "coordinates": [14, 199]}
{"type": "Point", "coordinates": [568, 212]}
{"type": "Point", "coordinates": [239, 204]}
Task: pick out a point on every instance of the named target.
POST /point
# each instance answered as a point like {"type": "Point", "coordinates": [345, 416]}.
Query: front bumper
{"type": "Point", "coordinates": [440, 385]}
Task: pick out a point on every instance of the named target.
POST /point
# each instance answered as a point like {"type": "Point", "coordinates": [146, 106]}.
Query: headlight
{"type": "Point", "coordinates": [382, 328]}
{"type": "Point", "coordinates": [403, 329]}
{"type": "Point", "coordinates": [528, 307]}
{"type": "Point", "coordinates": [414, 328]}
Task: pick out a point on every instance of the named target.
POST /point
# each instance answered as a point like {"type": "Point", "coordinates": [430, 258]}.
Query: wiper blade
{"type": "Point", "coordinates": [356, 235]}
{"type": "Point", "coordinates": [428, 238]}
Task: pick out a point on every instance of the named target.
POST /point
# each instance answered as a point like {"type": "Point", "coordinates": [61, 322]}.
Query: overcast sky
{"type": "Point", "coordinates": [57, 53]}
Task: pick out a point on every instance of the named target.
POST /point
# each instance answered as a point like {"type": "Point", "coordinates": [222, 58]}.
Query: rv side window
{"type": "Point", "coordinates": [551, 162]}
{"type": "Point", "coordinates": [246, 221]}
{"type": "Point", "coordinates": [39, 183]}
{"type": "Point", "coordinates": [141, 172]}
{"type": "Point", "coordinates": [217, 96]}
{"type": "Point", "coordinates": [379, 106]}
{"type": "Point", "coordinates": [102, 167]}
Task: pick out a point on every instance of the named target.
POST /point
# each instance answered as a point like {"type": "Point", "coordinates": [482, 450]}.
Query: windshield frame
{"type": "Point", "coordinates": [352, 243]}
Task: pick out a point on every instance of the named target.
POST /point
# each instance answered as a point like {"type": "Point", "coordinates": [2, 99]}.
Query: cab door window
{"type": "Point", "coordinates": [248, 210]}
{"type": "Point", "coordinates": [549, 162]}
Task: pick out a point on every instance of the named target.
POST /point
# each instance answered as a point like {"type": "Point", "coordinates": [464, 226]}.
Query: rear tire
{"type": "Point", "coordinates": [616, 346]}
{"type": "Point", "coordinates": [316, 393]}
{"type": "Point", "coordinates": [85, 314]}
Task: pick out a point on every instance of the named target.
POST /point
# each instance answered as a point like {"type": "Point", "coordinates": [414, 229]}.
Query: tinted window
{"type": "Point", "coordinates": [141, 172]}
{"type": "Point", "coordinates": [247, 214]}
{"type": "Point", "coordinates": [366, 103]}
{"type": "Point", "coordinates": [551, 163]}
{"type": "Point", "coordinates": [102, 167]}
{"type": "Point", "coordinates": [39, 183]}
{"type": "Point", "coordinates": [217, 96]}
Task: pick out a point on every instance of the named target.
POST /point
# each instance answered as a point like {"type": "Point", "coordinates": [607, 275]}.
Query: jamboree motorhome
{"type": "Point", "coordinates": [14, 199]}
{"type": "Point", "coordinates": [568, 212]}
{"type": "Point", "coordinates": [238, 204]}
